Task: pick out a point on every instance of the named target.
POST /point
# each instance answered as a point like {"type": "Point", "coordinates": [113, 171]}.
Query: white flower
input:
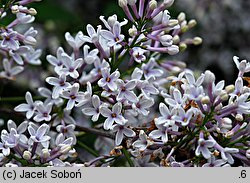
{"type": "Point", "coordinates": [39, 135]}
{"type": "Point", "coordinates": [29, 108]}
{"type": "Point", "coordinates": [150, 71]}
{"type": "Point", "coordinates": [113, 37]}
{"type": "Point", "coordinates": [138, 54]}
{"type": "Point", "coordinates": [43, 112]}
{"type": "Point", "coordinates": [122, 130]}
{"type": "Point", "coordinates": [108, 79]}
{"type": "Point", "coordinates": [125, 91]}
{"type": "Point", "coordinates": [203, 146]}
{"type": "Point", "coordinates": [9, 72]}
{"type": "Point", "coordinates": [95, 110]}
{"type": "Point", "coordinates": [59, 84]}
{"type": "Point", "coordinates": [67, 131]}
{"type": "Point", "coordinates": [243, 66]}
{"type": "Point", "coordinates": [70, 65]}
{"type": "Point", "coordinates": [142, 105]}
{"type": "Point", "coordinates": [143, 142]}
{"type": "Point", "coordinates": [90, 57]}
{"type": "Point", "coordinates": [112, 116]}
{"type": "Point", "coordinates": [73, 95]}
{"type": "Point", "coordinates": [56, 61]}
{"type": "Point", "coordinates": [76, 42]}
{"type": "Point", "coordinates": [45, 92]}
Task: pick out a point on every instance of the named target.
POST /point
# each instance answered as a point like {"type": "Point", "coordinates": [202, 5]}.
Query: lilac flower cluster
{"type": "Point", "coordinates": [153, 113]}
{"type": "Point", "coordinates": [17, 48]}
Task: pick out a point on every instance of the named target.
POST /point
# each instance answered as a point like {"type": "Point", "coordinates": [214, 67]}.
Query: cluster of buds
{"type": "Point", "coordinates": [154, 112]}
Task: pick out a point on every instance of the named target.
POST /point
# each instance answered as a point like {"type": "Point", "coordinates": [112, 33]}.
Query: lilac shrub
{"type": "Point", "coordinates": [142, 107]}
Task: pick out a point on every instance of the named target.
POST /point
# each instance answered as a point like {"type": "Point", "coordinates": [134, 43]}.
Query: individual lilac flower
{"type": "Point", "coordinates": [67, 131]}
{"type": "Point", "coordinates": [59, 84]}
{"type": "Point", "coordinates": [45, 92]}
{"type": "Point", "coordinates": [95, 110]}
{"type": "Point", "coordinates": [87, 95]}
{"type": "Point", "coordinates": [76, 42]}
{"type": "Point", "coordinates": [18, 54]}
{"type": "Point", "coordinates": [29, 37]}
{"type": "Point", "coordinates": [29, 108]}
{"type": "Point", "coordinates": [39, 135]}
{"type": "Point", "coordinates": [32, 56]}
{"type": "Point", "coordinates": [122, 130]}
{"type": "Point", "coordinates": [150, 71]}
{"type": "Point", "coordinates": [125, 91]}
{"type": "Point", "coordinates": [10, 72]}
{"type": "Point", "coordinates": [147, 88]}
{"type": "Point", "coordinates": [203, 146]}
{"type": "Point", "coordinates": [9, 140]}
{"type": "Point", "coordinates": [65, 118]}
{"type": "Point", "coordinates": [61, 141]}
{"type": "Point", "coordinates": [142, 105]}
{"type": "Point", "coordinates": [93, 34]}
{"type": "Point", "coordinates": [109, 24]}
{"type": "Point", "coordinates": [177, 101]}
{"type": "Point", "coordinates": [90, 57]}
{"type": "Point", "coordinates": [243, 66]}
{"type": "Point", "coordinates": [108, 79]}
{"type": "Point", "coordinates": [57, 61]}
{"type": "Point", "coordinates": [166, 114]}
{"type": "Point", "coordinates": [183, 116]}
{"type": "Point", "coordinates": [99, 66]}
{"type": "Point", "coordinates": [73, 95]}
{"type": "Point", "coordinates": [114, 37]}
{"type": "Point", "coordinates": [242, 103]}
{"type": "Point", "coordinates": [143, 142]}
{"type": "Point", "coordinates": [226, 154]}
{"type": "Point", "coordinates": [194, 93]}
{"type": "Point", "coordinates": [43, 112]}
{"type": "Point", "coordinates": [24, 18]}
{"type": "Point", "coordinates": [10, 40]}
{"type": "Point", "coordinates": [161, 132]}
{"type": "Point", "coordinates": [112, 116]}
{"type": "Point", "coordinates": [213, 162]}
{"type": "Point", "coordinates": [20, 129]}
{"type": "Point", "coordinates": [191, 79]}
{"type": "Point", "coordinates": [70, 65]}
{"type": "Point", "coordinates": [138, 54]}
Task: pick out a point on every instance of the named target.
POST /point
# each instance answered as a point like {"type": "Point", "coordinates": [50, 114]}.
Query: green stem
{"type": "Point", "coordinates": [87, 148]}
{"type": "Point", "coordinates": [127, 156]}
{"type": "Point", "coordinates": [18, 99]}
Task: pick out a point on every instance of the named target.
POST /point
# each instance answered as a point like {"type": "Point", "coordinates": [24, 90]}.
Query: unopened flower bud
{"type": "Point", "coordinates": [132, 31]}
{"type": "Point", "coordinates": [183, 46]}
{"type": "Point", "coordinates": [230, 88]}
{"type": "Point", "coordinates": [173, 22]}
{"type": "Point", "coordinates": [229, 134]}
{"type": "Point", "coordinates": [27, 155]}
{"type": "Point", "coordinates": [14, 9]}
{"type": "Point", "coordinates": [65, 149]}
{"type": "Point", "coordinates": [223, 95]}
{"type": "Point", "coordinates": [45, 153]}
{"type": "Point", "coordinates": [176, 39]}
{"type": "Point", "coordinates": [152, 4]}
{"type": "Point", "coordinates": [184, 28]}
{"type": "Point", "coordinates": [168, 3]}
{"type": "Point", "coordinates": [29, 40]}
{"type": "Point", "coordinates": [197, 41]}
{"type": "Point", "coordinates": [248, 154]}
{"type": "Point", "coordinates": [192, 23]}
{"type": "Point", "coordinates": [123, 3]}
{"type": "Point", "coordinates": [181, 17]}
{"type": "Point", "coordinates": [226, 123]}
{"type": "Point", "coordinates": [205, 100]}
{"type": "Point", "coordinates": [209, 77]}
{"type": "Point", "coordinates": [239, 117]}
{"type": "Point", "coordinates": [172, 50]}
{"type": "Point", "coordinates": [132, 2]}
{"type": "Point", "coordinates": [32, 11]}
